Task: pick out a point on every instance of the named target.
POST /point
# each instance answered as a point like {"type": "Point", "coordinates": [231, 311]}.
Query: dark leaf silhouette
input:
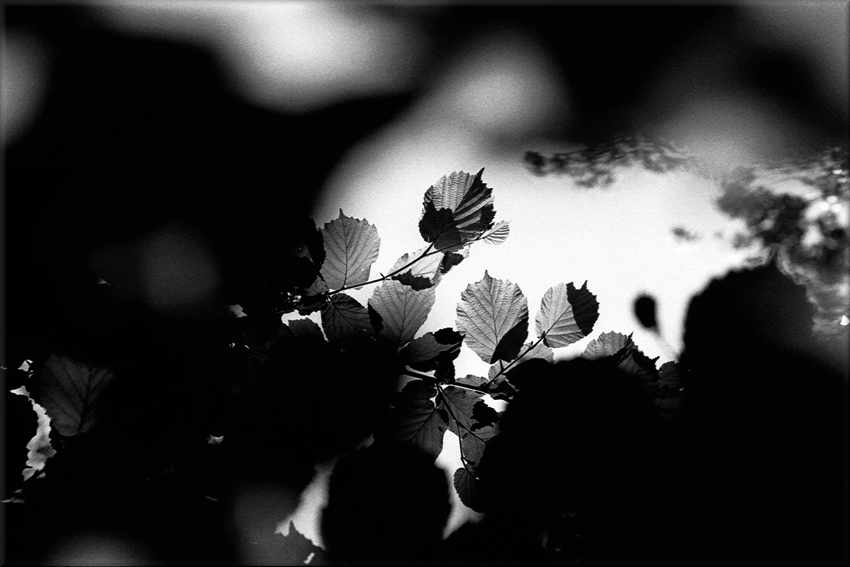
{"type": "Point", "coordinates": [458, 209]}
{"type": "Point", "coordinates": [452, 259]}
{"type": "Point", "coordinates": [402, 309]}
{"type": "Point", "coordinates": [566, 314]}
{"type": "Point", "coordinates": [489, 311]}
{"type": "Point", "coordinates": [295, 548]}
{"type": "Point", "coordinates": [344, 318]}
{"type": "Point", "coordinates": [304, 328]}
{"type": "Point", "coordinates": [69, 391]}
{"type": "Point", "coordinates": [645, 311]}
{"type": "Point", "coordinates": [474, 442]}
{"type": "Point", "coordinates": [351, 247]}
{"type": "Point", "coordinates": [469, 489]}
{"type": "Point", "coordinates": [424, 352]}
{"type": "Point", "coordinates": [416, 419]}
{"type": "Point", "coordinates": [669, 394]}
{"type": "Point", "coordinates": [483, 415]}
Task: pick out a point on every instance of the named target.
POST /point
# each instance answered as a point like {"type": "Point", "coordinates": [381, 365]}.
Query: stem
{"type": "Point", "coordinates": [428, 252]}
{"type": "Point", "coordinates": [517, 359]}
{"type": "Point", "coordinates": [458, 425]}
{"type": "Point", "coordinates": [470, 387]}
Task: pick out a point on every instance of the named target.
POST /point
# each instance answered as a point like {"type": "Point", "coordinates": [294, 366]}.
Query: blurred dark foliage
{"type": "Point", "coordinates": [753, 467]}
{"type": "Point", "coordinates": [387, 503]}
{"type": "Point", "coordinates": [645, 309]}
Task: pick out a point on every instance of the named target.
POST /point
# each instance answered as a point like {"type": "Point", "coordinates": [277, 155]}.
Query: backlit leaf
{"type": "Point", "coordinates": [566, 314]}
{"type": "Point", "coordinates": [344, 318]}
{"type": "Point", "coordinates": [424, 352]}
{"type": "Point", "coordinates": [498, 234]}
{"type": "Point", "coordinates": [607, 344]}
{"type": "Point", "coordinates": [69, 391]}
{"type": "Point", "coordinates": [420, 274]}
{"type": "Point", "coordinates": [493, 315]}
{"type": "Point", "coordinates": [461, 403]}
{"type": "Point", "coordinates": [458, 209]}
{"type": "Point", "coordinates": [351, 247]}
{"type": "Point", "coordinates": [416, 419]}
{"type": "Point", "coordinates": [402, 309]}
{"type": "Point", "coordinates": [474, 442]}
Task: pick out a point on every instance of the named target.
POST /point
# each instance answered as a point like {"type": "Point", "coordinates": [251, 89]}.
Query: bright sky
{"type": "Point", "coordinates": [619, 239]}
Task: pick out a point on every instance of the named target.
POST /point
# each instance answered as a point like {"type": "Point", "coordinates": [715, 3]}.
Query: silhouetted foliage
{"type": "Point", "coordinates": [387, 503]}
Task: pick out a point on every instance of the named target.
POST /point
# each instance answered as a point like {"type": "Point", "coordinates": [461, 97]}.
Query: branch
{"type": "Point", "coordinates": [428, 252]}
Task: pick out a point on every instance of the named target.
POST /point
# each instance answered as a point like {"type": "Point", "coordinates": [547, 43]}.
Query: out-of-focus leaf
{"type": "Point", "coordinates": [424, 353]}
{"type": "Point", "coordinates": [566, 314]}
{"type": "Point", "coordinates": [402, 309]}
{"type": "Point", "coordinates": [458, 209]}
{"type": "Point", "coordinates": [344, 318]}
{"type": "Point", "coordinates": [469, 489]}
{"type": "Point", "coordinates": [489, 311]}
{"type": "Point", "coordinates": [607, 344]}
{"type": "Point", "coordinates": [422, 273]}
{"type": "Point", "coordinates": [669, 395]}
{"type": "Point", "coordinates": [416, 419]}
{"type": "Point", "coordinates": [645, 309]}
{"type": "Point", "coordinates": [295, 548]}
{"type": "Point", "coordinates": [351, 247]}
{"type": "Point", "coordinates": [69, 391]}
{"type": "Point", "coordinates": [498, 234]}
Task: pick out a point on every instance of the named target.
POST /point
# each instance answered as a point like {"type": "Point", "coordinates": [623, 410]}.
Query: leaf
{"type": "Point", "coordinates": [351, 247]}
{"type": "Point", "coordinates": [645, 309]}
{"type": "Point", "coordinates": [669, 395]}
{"type": "Point", "coordinates": [473, 443]}
{"type": "Point", "coordinates": [490, 310]}
{"type": "Point", "coordinates": [469, 489]}
{"type": "Point", "coordinates": [311, 244]}
{"type": "Point", "coordinates": [69, 391]}
{"type": "Point", "coordinates": [606, 344]}
{"type": "Point", "coordinates": [566, 315]}
{"type": "Point", "coordinates": [422, 273]}
{"type": "Point", "coordinates": [305, 328]}
{"type": "Point", "coordinates": [402, 309]}
{"type": "Point", "coordinates": [461, 403]}
{"type": "Point", "coordinates": [416, 419]}
{"type": "Point", "coordinates": [633, 361]}
{"type": "Point", "coordinates": [472, 380]}
{"type": "Point", "coordinates": [295, 548]}
{"type": "Point", "coordinates": [498, 234]}
{"type": "Point", "coordinates": [425, 352]}
{"type": "Point", "coordinates": [458, 209]}
{"type": "Point", "coordinates": [452, 259]}
{"type": "Point", "coordinates": [344, 318]}
{"type": "Point", "coordinates": [483, 415]}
